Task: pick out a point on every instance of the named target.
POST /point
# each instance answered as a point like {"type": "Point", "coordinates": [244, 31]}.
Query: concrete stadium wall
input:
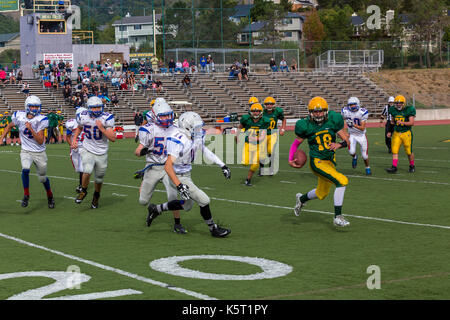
{"type": "Point", "coordinates": [85, 53]}
{"type": "Point", "coordinates": [434, 114]}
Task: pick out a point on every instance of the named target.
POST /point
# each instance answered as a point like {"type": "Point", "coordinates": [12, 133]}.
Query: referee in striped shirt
{"type": "Point", "coordinates": [385, 116]}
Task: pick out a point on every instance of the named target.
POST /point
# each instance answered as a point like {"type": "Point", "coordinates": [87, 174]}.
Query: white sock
{"type": "Point", "coordinates": [339, 196]}
{"type": "Point", "coordinates": [312, 194]}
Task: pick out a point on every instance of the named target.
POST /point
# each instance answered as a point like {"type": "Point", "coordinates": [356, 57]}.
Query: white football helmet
{"type": "Point", "coordinates": [79, 110]}
{"type": "Point", "coordinates": [353, 104]}
{"type": "Point", "coordinates": [192, 124]}
{"type": "Point", "coordinates": [95, 102]}
{"type": "Point", "coordinates": [161, 109]}
{"type": "Point", "coordinates": [391, 100]}
{"type": "Point", "coordinates": [33, 105]}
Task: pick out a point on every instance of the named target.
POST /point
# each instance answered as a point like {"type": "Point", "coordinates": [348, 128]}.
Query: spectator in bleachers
{"type": "Point", "coordinates": [105, 74]}
{"type": "Point", "coordinates": [99, 67]}
{"type": "Point", "coordinates": [186, 81]}
{"type": "Point", "coordinates": [185, 66]}
{"type": "Point", "coordinates": [92, 67]}
{"type": "Point", "coordinates": [41, 68]}
{"type": "Point", "coordinates": [19, 77]}
{"type": "Point", "coordinates": [123, 83]}
{"type": "Point", "coordinates": [67, 81]}
{"type": "Point", "coordinates": [35, 69]}
{"type": "Point", "coordinates": [143, 82]}
{"type": "Point", "coordinates": [192, 67]}
{"type": "Point", "coordinates": [47, 68]}
{"type": "Point", "coordinates": [245, 64]}
{"type": "Point", "coordinates": [283, 65]}
{"type": "Point", "coordinates": [3, 77]}
{"type": "Point", "coordinates": [117, 65]}
{"type": "Point", "coordinates": [202, 64]}
{"type": "Point", "coordinates": [234, 71]}
{"type": "Point", "coordinates": [67, 93]}
{"type": "Point", "coordinates": [208, 63]}
{"type": "Point", "coordinates": [114, 100]}
{"type": "Point", "coordinates": [179, 67]}
{"type": "Point", "coordinates": [212, 65]}
{"type": "Point", "coordinates": [61, 66]}
{"type": "Point", "coordinates": [87, 71]}
{"type": "Point", "coordinates": [171, 66]}
{"type": "Point", "coordinates": [115, 82]}
{"type": "Point", "coordinates": [273, 65]}
{"type": "Point", "coordinates": [142, 66]}
{"type": "Point", "coordinates": [25, 88]}
{"type": "Point", "coordinates": [12, 77]}
{"type": "Point", "coordinates": [293, 65]}
{"type": "Point", "coordinates": [104, 89]}
{"type": "Point", "coordinates": [134, 66]}
{"type": "Point", "coordinates": [243, 74]}
{"type": "Point", "coordinates": [54, 80]}
{"type": "Point", "coordinates": [161, 67]}
{"type": "Point", "coordinates": [86, 81]}
{"type": "Point", "coordinates": [148, 66]}
{"type": "Point", "coordinates": [68, 69]}
{"type": "Point", "coordinates": [158, 85]}
{"type": "Point", "coordinates": [125, 66]}
{"type": "Point", "coordinates": [80, 70]}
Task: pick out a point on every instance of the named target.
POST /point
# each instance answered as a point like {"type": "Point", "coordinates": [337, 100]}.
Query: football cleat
{"type": "Point", "coordinates": [178, 228]}
{"type": "Point", "coordinates": [298, 205]}
{"type": "Point", "coordinates": [152, 213]}
{"type": "Point", "coordinates": [248, 183]}
{"type": "Point", "coordinates": [392, 169]}
{"type": "Point", "coordinates": [80, 197]}
{"type": "Point", "coordinates": [340, 221]}
{"type": "Point", "coordinates": [51, 203]}
{"type": "Point", "coordinates": [79, 189]}
{"type": "Point", "coordinates": [412, 169]}
{"type": "Point", "coordinates": [220, 232]}
{"type": "Point", "coordinates": [94, 203]}
{"type": "Point", "coordinates": [354, 162]}
{"type": "Point", "coordinates": [25, 201]}
{"type": "Point", "coordinates": [368, 172]}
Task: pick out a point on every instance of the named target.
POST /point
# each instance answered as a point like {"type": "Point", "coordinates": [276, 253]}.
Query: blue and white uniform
{"type": "Point", "coordinates": [31, 151]}
{"type": "Point", "coordinates": [356, 135]}
{"type": "Point", "coordinates": [154, 138]}
{"type": "Point", "coordinates": [75, 155]}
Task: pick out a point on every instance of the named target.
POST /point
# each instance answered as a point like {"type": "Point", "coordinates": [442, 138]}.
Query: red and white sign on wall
{"type": "Point", "coordinates": [57, 57]}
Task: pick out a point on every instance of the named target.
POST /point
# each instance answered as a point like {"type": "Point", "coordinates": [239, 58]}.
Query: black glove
{"type": "Point", "coordinates": [139, 174]}
{"type": "Point", "coordinates": [143, 152]}
{"type": "Point", "coordinates": [226, 172]}
{"type": "Point", "coordinates": [184, 191]}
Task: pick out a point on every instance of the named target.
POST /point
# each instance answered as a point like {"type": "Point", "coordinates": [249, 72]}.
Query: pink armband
{"type": "Point", "coordinates": [294, 148]}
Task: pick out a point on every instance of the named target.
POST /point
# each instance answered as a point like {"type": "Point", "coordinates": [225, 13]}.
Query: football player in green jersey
{"type": "Point", "coordinates": [3, 124]}
{"type": "Point", "coordinates": [320, 129]}
{"type": "Point", "coordinates": [402, 119]}
{"type": "Point", "coordinates": [255, 140]}
{"type": "Point", "coordinates": [14, 133]}
{"type": "Point", "coordinates": [274, 114]}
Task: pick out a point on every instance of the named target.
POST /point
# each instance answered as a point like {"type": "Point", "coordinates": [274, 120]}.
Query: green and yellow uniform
{"type": "Point", "coordinates": [402, 134]}
{"type": "Point", "coordinates": [60, 124]}
{"type": "Point", "coordinates": [274, 116]}
{"type": "Point", "coordinates": [252, 150]}
{"type": "Point", "coordinates": [13, 129]}
{"type": "Point", "coordinates": [3, 124]}
{"type": "Point", "coordinates": [322, 159]}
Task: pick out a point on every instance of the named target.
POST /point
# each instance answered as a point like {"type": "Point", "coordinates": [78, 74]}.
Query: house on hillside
{"type": "Point", "coordinates": [135, 30]}
{"type": "Point", "coordinates": [9, 41]}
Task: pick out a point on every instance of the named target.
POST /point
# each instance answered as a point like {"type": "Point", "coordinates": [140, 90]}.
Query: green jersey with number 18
{"type": "Point", "coordinates": [320, 136]}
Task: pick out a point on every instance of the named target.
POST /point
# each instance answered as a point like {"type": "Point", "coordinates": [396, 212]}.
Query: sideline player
{"type": "Point", "coordinates": [320, 129]}
{"type": "Point", "coordinates": [31, 124]}
{"type": "Point", "coordinates": [255, 126]}
{"type": "Point", "coordinates": [356, 119]}
{"type": "Point", "coordinates": [402, 119]}
{"type": "Point", "coordinates": [274, 114]}
{"type": "Point", "coordinates": [387, 128]}
{"type": "Point", "coordinates": [182, 146]}
{"type": "Point", "coordinates": [14, 133]}
{"type": "Point", "coordinates": [98, 129]}
{"type": "Point", "coordinates": [153, 145]}
{"type": "Point", "coordinates": [75, 157]}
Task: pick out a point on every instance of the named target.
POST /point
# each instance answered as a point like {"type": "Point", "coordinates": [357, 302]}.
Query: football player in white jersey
{"type": "Point", "coordinates": [98, 129]}
{"type": "Point", "coordinates": [356, 118]}
{"type": "Point", "coordinates": [152, 144]}
{"type": "Point", "coordinates": [75, 157]}
{"type": "Point", "coordinates": [32, 124]}
{"type": "Point", "coordinates": [182, 146]}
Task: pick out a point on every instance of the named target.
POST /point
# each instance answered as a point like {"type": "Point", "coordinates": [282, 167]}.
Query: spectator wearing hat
{"type": "Point", "coordinates": [273, 65]}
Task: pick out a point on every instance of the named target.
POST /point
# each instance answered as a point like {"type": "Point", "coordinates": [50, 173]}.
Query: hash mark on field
{"type": "Point", "coordinates": [262, 204]}
{"type": "Point", "coordinates": [119, 195]}
{"type": "Point", "coordinates": [107, 268]}
{"type": "Point", "coordinates": [288, 182]}
{"type": "Point", "coordinates": [67, 197]}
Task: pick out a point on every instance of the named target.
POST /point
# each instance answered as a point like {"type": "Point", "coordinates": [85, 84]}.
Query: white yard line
{"type": "Point", "coordinates": [266, 205]}
{"type": "Point", "coordinates": [107, 268]}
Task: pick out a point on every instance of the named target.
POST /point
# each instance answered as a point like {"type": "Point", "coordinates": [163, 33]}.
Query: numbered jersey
{"type": "Point", "coordinates": [402, 115]}
{"type": "Point", "coordinates": [154, 138]}
{"type": "Point", "coordinates": [356, 117]}
{"type": "Point", "coordinates": [94, 140]}
{"type": "Point", "coordinates": [38, 123]}
{"type": "Point", "coordinates": [277, 114]}
{"type": "Point", "coordinates": [184, 150]}
{"type": "Point", "coordinates": [253, 127]}
{"type": "Point", "coordinates": [72, 125]}
{"type": "Point", "coordinates": [320, 136]}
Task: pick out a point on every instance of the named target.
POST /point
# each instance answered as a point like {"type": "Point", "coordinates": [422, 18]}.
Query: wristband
{"type": "Point", "coordinates": [343, 144]}
{"type": "Point", "coordinates": [143, 152]}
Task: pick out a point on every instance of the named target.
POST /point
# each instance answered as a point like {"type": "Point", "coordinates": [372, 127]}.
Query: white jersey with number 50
{"type": "Point", "coordinates": [357, 117]}
{"type": "Point", "coordinates": [94, 140]}
{"type": "Point", "coordinates": [38, 123]}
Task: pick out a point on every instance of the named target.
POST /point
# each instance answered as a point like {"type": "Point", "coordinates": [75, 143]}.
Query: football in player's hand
{"type": "Point", "coordinates": [300, 158]}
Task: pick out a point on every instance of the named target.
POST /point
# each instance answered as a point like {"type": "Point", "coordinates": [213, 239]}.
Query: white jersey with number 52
{"type": "Point", "coordinates": [94, 140]}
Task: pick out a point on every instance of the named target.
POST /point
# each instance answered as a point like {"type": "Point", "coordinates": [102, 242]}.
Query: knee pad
{"type": "Point", "coordinates": [42, 178]}
{"type": "Point", "coordinates": [143, 201]}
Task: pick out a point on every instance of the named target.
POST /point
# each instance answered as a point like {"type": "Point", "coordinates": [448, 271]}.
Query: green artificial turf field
{"type": "Point", "coordinates": [400, 226]}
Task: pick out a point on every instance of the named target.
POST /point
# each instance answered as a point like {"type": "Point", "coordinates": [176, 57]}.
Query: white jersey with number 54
{"type": "Point", "coordinates": [94, 140]}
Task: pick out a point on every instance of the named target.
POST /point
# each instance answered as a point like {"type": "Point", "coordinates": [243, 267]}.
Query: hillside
{"type": "Point", "coordinates": [431, 87]}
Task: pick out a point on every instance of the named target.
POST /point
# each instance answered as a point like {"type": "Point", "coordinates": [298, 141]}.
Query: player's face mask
{"type": "Point", "coordinates": [399, 106]}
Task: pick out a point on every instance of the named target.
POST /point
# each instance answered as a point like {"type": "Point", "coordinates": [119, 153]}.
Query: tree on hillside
{"type": "Point", "coordinates": [272, 14]}
{"type": "Point", "coordinates": [8, 25]}
{"type": "Point", "coordinates": [313, 30]}
{"type": "Point", "coordinates": [337, 23]}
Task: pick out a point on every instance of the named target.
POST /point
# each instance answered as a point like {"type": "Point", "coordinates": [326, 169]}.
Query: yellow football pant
{"type": "Point", "coordinates": [251, 154]}
{"type": "Point", "coordinates": [327, 175]}
{"type": "Point", "coordinates": [399, 138]}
